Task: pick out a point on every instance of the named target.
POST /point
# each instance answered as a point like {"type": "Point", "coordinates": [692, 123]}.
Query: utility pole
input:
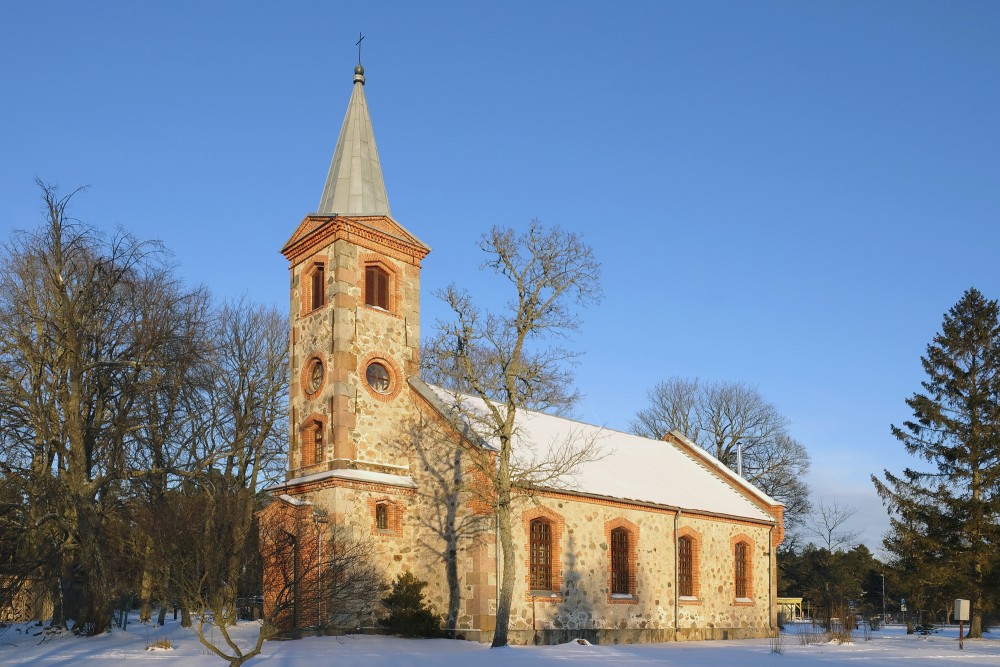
{"type": "Point", "coordinates": [883, 602]}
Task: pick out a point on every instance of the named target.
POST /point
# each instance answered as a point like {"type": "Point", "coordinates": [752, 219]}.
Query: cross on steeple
{"type": "Point", "coordinates": [358, 44]}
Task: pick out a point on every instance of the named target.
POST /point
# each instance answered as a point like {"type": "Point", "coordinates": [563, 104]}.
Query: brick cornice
{"type": "Point", "coordinates": [317, 231]}
{"type": "Point", "coordinates": [303, 488]}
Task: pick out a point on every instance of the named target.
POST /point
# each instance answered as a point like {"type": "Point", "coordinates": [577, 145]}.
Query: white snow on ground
{"type": "Point", "coordinates": [20, 646]}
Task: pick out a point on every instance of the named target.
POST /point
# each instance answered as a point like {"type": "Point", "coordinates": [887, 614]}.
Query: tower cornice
{"type": "Point", "coordinates": [378, 232]}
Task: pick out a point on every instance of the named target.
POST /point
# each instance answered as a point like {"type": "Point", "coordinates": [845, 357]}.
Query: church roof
{"type": "Point", "coordinates": [676, 475]}
{"type": "Point", "coordinates": [354, 185]}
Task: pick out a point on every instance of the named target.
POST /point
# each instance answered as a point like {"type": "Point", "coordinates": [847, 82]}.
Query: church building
{"type": "Point", "coordinates": [649, 541]}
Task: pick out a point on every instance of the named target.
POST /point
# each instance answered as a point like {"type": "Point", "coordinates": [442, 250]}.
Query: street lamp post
{"type": "Point", "coordinates": [883, 601]}
{"type": "Point", "coordinates": [319, 521]}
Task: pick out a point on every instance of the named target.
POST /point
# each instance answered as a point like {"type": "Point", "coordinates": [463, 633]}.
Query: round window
{"type": "Point", "coordinates": [315, 378]}
{"type": "Point", "coordinates": [378, 377]}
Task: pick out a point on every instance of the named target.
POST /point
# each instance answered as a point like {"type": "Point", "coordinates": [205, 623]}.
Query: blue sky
{"type": "Point", "coordinates": [787, 193]}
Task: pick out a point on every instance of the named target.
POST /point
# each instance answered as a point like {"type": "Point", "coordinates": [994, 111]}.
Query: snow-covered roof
{"type": "Point", "coordinates": [627, 467]}
{"type": "Point", "coordinates": [294, 501]}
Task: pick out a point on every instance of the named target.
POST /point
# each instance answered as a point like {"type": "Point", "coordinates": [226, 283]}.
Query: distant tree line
{"type": "Point", "coordinates": [138, 420]}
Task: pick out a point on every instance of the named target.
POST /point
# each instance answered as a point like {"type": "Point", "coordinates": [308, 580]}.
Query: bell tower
{"type": "Point", "coordinates": [355, 314]}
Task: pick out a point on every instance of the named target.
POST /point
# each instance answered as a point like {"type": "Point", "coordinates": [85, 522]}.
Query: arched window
{"type": "Point", "coordinates": [376, 287]}
{"type": "Point", "coordinates": [312, 442]}
{"type": "Point", "coordinates": [619, 562]}
{"type": "Point", "coordinates": [685, 566]}
{"type": "Point", "coordinates": [742, 574]}
{"type": "Point", "coordinates": [382, 516]}
{"type": "Point", "coordinates": [540, 555]}
{"type": "Point", "coordinates": [318, 285]}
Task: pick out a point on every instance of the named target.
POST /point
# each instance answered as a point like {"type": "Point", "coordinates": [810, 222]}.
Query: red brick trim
{"type": "Point", "coordinates": [557, 526]}
{"type": "Point", "coordinates": [395, 376]}
{"type": "Point", "coordinates": [748, 541]}
{"type": "Point", "coordinates": [318, 261]}
{"type": "Point", "coordinates": [307, 440]}
{"type": "Point", "coordinates": [371, 259]}
{"type": "Point", "coordinates": [696, 539]}
{"type": "Point", "coordinates": [633, 558]}
{"type": "Point", "coordinates": [321, 231]}
{"type": "Point", "coordinates": [306, 372]}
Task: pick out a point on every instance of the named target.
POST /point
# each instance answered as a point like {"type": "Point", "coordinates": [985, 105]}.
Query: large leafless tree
{"type": "Point", "coordinates": [510, 359]}
{"type": "Point", "coordinates": [90, 326]}
{"type": "Point", "coordinates": [724, 417]}
{"type": "Point", "coordinates": [121, 388]}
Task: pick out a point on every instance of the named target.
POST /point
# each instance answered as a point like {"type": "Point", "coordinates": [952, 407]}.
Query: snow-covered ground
{"type": "Point", "coordinates": [20, 646]}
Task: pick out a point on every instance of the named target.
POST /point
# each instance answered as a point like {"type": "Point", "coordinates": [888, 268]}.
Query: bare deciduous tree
{"type": "Point", "coordinates": [827, 522]}
{"type": "Point", "coordinates": [723, 417]}
{"type": "Point", "coordinates": [509, 360]}
{"type": "Point", "coordinates": [238, 440]}
{"type": "Point", "coordinates": [82, 345]}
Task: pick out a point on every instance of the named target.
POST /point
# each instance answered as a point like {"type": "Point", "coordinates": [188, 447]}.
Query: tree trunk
{"type": "Point", "coordinates": [507, 577]}
{"type": "Point", "coordinates": [146, 587]}
{"type": "Point", "coordinates": [976, 618]}
{"type": "Point", "coordinates": [454, 592]}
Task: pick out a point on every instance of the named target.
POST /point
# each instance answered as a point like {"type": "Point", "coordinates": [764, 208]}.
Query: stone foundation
{"type": "Point", "coordinates": [626, 636]}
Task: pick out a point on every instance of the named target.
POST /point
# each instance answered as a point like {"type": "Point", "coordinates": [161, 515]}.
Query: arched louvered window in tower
{"type": "Point", "coordinates": [318, 287]}
{"type": "Point", "coordinates": [376, 287]}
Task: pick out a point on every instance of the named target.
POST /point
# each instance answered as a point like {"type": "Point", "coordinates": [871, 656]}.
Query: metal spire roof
{"type": "Point", "coordinates": [354, 185]}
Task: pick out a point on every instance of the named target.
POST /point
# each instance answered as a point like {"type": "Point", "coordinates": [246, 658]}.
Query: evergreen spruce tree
{"type": "Point", "coordinates": [408, 613]}
{"type": "Point", "coordinates": [945, 520]}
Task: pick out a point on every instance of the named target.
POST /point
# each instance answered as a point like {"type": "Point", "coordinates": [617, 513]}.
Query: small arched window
{"type": "Point", "coordinates": [376, 287]}
{"type": "Point", "coordinates": [382, 516]}
{"type": "Point", "coordinates": [318, 287]}
{"type": "Point", "coordinates": [318, 454]}
{"type": "Point", "coordinates": [540, 555]}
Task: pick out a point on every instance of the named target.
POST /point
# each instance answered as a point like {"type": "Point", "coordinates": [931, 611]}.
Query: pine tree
{"type": "Point", "coordinates": [945, 520]}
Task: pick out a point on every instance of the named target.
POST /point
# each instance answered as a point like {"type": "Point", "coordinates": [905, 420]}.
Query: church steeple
{"type": "Point", "coordinates": [354, 185]}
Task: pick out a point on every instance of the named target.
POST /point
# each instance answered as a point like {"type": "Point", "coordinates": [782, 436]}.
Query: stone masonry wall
{"type": "Point", "coordinates": [346, 335]}
{"type": "Point", "coordinates": [581, 598]}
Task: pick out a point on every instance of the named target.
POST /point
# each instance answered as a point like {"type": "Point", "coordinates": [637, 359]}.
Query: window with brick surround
{"type": "Point", "coordinates": [540, 555]}
{"type": "Point", "coordinates": [376, 287]}
{"type": "Point", "coordinates": [685, 566]}
{"type": "Point", "coordinates": [620, 562]}
{"type": "Point", "coordinates": [740, 560]}
{"type": "Point", "coordinates": [313, 442]}
{"type": "Point", "coordinates": [318, 284]}
{"type": "Point", "coordinates": [382, 516]}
